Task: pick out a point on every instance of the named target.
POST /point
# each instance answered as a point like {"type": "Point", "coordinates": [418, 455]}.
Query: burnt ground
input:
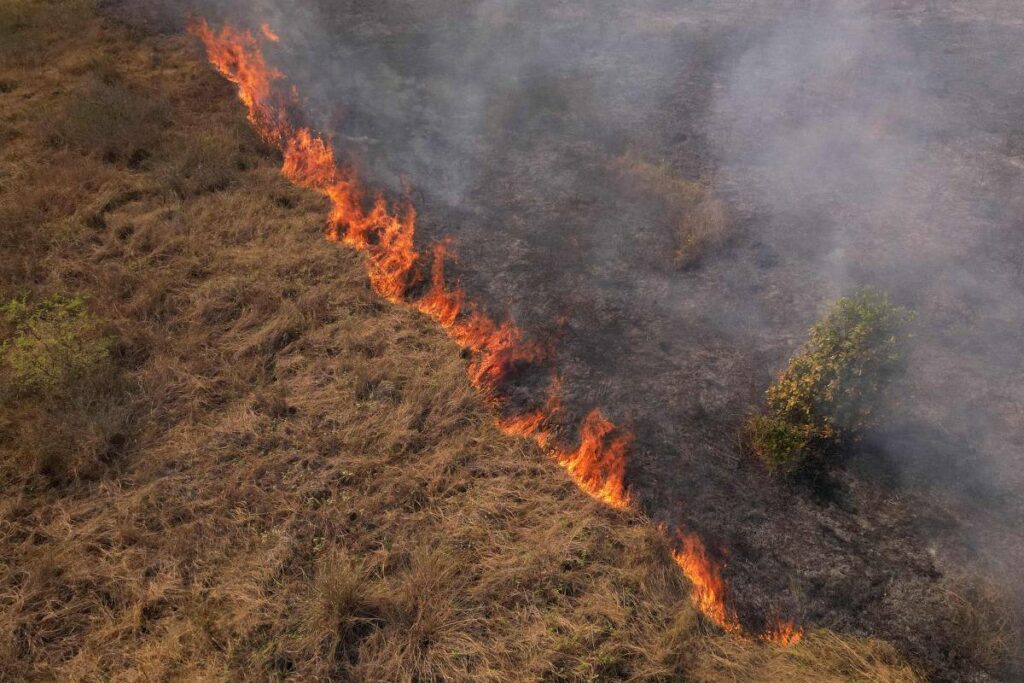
{"type": "Point", "coordinates": [858, 143]}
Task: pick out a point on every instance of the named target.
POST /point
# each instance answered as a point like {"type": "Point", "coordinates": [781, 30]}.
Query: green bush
{"type": "Point", "coordinates": [50, 347]}
{"type": "Point", "coordinates": [831, 390]}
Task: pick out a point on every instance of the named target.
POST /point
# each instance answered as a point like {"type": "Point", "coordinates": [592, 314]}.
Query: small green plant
{"type": "Point", "coordinates": [830, 392]}
{"type": "Point", "coordinates": [50, 346]}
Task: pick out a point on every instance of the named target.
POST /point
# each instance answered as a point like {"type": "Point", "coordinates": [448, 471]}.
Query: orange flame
{"type": "Point", "coordinates": [598, 466]}
{"type": "Point", "coordinates": [709, 589]}
{"type": "Point", "coordinates": [710, 593]}
{"type": "Point", "coordinates": [784, 633]}
{"type": "Point", "coordinates": [268, 33]}
{"type": "Point", "coordinates": [385, 235]}
{"type": "Point", "coordinates": [534, 424]}
{"type": "Point", "coordinates": [237, 56]}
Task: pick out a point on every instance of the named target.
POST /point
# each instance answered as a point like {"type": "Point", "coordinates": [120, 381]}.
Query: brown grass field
{"type": "Point", "coordinates": [240, 463]}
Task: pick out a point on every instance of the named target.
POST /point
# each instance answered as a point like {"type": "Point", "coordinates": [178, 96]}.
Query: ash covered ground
{"type": "Point", "coordinates": [562, 145]}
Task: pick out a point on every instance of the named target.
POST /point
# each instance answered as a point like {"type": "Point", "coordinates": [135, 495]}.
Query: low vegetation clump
{"type": "Point", "coordinates": [115, 120]}
{"type": "Point", "coordinates": [830, 393]}
{"type": "Point", "coordinates": [50, 346]}
{"type": "Point", "coordinates": [58, 392]}
{"type": "Point", "coordinates": [701, 223]}
{"type": "Point", "coordinates": [25, 25]}
{"type": "Point", "coordinates": [703, 229]}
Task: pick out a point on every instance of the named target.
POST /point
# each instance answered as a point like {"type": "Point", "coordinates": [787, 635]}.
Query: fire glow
{"type": "Point", "coordinates": [384, 233]}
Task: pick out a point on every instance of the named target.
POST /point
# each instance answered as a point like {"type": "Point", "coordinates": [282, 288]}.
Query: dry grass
{"type": "Point", "coordinates": [280, 475]}
{"type": "Point", "coordinates": [702, 225]}
{"type": "Point", "coordinates": [821, 657]}
{"type": "Point", "coordinates": [984, 626]}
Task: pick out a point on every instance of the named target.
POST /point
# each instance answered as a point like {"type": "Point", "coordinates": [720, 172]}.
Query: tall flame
{"type": "Point", "coordinates": [599, 464]}
{"type": "Point", "coordinates": [709, 589]}
{"type": "Point", "coordinates": [710, 592]}
{"type": "Point", "coordinates": [385, 234]}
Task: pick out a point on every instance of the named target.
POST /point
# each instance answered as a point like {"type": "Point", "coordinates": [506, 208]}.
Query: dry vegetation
{"type": "Point", "coordinates": [702, 225]}
{"type": "Point", "coordinates": [250, 466]}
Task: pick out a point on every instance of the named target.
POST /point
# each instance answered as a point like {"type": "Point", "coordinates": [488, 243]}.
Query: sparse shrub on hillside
{"type": "Point", "coordinates": [112, 119]}
{"type": "Point", "coordinates": [50, 345]}
{"type": "Point", "coordinates": [829, 394]}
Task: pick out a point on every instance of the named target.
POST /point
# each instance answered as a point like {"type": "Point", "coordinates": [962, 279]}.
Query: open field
{"type": "Point", "coordinates": [234, 461]}
{"type": "Point", "coordinates": [572, 151]}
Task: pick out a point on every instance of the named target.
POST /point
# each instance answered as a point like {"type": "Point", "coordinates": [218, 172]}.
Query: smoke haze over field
{"type": "Point", "coordinates": [562, 144]}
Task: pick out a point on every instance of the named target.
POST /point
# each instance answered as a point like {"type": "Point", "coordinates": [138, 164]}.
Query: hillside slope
{"type": "Point", "coordinates": [225, 457]}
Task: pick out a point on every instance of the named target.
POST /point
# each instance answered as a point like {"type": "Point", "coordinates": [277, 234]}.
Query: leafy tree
{"type": "Point", "coordinates": [830, 392]}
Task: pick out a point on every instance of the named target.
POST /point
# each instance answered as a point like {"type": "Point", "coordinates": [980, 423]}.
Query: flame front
{"type": "Point", "coordinates": [599, 464]}
{"type": "Point", "coordinates": [385, 234]}
{"type": "Point", "coordinates": [709, 589]}
{"type": "Point", "coordinates": [710, 592]}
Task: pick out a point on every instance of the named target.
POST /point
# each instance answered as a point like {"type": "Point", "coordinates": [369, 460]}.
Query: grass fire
{"type": "Point", "coordinates": [510, 341]}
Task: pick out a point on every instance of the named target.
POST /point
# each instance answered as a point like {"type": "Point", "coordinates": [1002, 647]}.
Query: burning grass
{"type": "Point", "coordinates": [290, 478]}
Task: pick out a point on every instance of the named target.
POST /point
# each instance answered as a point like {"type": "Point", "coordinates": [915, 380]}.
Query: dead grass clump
{"type": "Point", "coordinates": [821, 657]}
{"type": "Point", "coordinates": [702, 225]}
{"type": "Point", "coordinates": [345, 607]}
{"type": "Point", "coordinates": [41, 204]}
{"type": "Point", "coordinates": [114, 120]}
{"type": "Point", "coordinates": [984, 626]}
{"type": "Point", "coordinates": [208, 163]}
{"type": "Point", "coordinates": [658, 179]}
{"type": "Point", "coordinates": [702, 229]}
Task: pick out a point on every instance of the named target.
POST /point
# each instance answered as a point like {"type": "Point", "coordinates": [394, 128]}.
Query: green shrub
{"type": "Point", "coordinates": [830, 392]}
{"type": "Point", "coordinates": [50, 347]}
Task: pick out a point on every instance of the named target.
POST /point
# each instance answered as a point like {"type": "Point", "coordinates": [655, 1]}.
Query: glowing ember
{"type": "Point", "coordinates": [268, 33]}
{"type": "Point", "coordinates": [385, 234]}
